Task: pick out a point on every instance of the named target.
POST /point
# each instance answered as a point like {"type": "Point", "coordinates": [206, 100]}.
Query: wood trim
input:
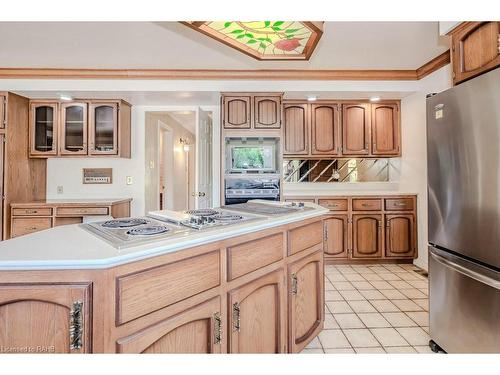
{"type": "Point", "coordinates": [433, 65]}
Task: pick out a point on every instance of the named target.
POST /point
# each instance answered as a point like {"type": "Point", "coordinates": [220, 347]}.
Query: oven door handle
{"type": "Point", "coordinates": [460, 268]}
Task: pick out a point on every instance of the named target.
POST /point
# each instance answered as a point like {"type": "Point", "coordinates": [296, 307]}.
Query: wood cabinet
{"type": "Point", "coordinates": [251, 110]}
{"type": "Point", "coordinates": [73, 129]}
{"type": "Point", "coordinates": [361, 228]}
{"type": "Point", "coordinates": [256, 318]}
{"type": "Point", "coordinates": [30, 217]}
{"type": "Point", "coordinates": [267, 112]}
{"type": "Point", "coordinates": [400, 235]}
{"type": "Point", "coordinates": [40, 318]}
{"type": "Point", "coordinates": [306, 300]}
{"type": "Point", "coordinates": [367, 236]}
{"type": "Point", "coordinates": [237, 112]}
{"type": "Point", "coordinates": [296, 129]}
{"type": "Point", "coordinates": [325, 132]}
{"type": "Point", "coordinates": [341, 129]}
{"type": "Point", "coordinates": [197, 330]}
{"type": "Point", "coordinates": [385, 129]}
{"type": "Point", "coordinates": [44, 125]}
{"type": "Point", "coordinates": [3, 110]}
{"type": "Point", "coordinates": [103, 128]}
{"type": "Point", "coordinates": [356, 129]}
{"type": "Point", "coordinates": [475, 49]}
{"type": "Point", "coordinates": [84, 128]}
{"type": "Point", "coordinates": [23, 179]}
{"type": "Point", "coordinates": [336, 236]}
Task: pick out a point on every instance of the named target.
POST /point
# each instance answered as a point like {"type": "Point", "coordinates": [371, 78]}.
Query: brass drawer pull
{"type": "Point", "coordinates": [236, 317]}
{"type": "Point", "coordinates": [400, 204]}
{"type": "Point", "coordinates": [217, 328]}
{"type": "Point", "coordinates": [76, 326]}
{"type": "Point", "coordinates": [295, 283]}
{"type": "Point", "coordinates": [365, 204]}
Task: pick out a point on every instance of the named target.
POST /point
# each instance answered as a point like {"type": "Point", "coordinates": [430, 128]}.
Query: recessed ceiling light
{"type": "Point", "coordinates": [311, 98]}
{"type": "Point", "coordinates": [66, 98]}
{"type": "Point", "coordinates": [375, 98]}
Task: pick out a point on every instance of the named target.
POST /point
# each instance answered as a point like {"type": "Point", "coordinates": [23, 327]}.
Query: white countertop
{"type": "Point", "coordinates": [72, 247]}
{"type": "Point", "coordinates": [318, 189]}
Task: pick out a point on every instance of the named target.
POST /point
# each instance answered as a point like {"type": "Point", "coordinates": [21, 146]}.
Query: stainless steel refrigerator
{"type": "Point", "coordinates": [463, 163]}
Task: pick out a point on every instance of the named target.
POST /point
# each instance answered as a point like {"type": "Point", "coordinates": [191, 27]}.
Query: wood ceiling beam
{"type": "Point", "coordinates": [215, 74]}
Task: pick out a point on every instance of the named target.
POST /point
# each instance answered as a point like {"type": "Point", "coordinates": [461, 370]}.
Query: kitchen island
{"type": "Point", "coordinates": [252, 287]}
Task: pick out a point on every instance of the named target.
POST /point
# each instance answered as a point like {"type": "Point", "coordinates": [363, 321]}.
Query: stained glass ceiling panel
{"type": "Point", "coordinates": [265, 40]}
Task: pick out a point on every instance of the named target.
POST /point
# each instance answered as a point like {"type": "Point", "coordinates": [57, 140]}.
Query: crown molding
{"type": "Point", "coordinates": [216, 74]}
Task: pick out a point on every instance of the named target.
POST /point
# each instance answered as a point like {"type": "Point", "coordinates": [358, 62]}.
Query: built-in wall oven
{"type": "Point", "coordinates": [252, 169]}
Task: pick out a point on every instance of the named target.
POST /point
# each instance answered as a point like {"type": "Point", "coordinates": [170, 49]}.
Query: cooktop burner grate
{"type": "Point", "coordinates": [227, 217]}
{"type": "Point", "coordinates": [148, 231]}
{"type": "Point", "coordinates": [202, 212]}
{"type": "Point", "coordinates": [123, 223]}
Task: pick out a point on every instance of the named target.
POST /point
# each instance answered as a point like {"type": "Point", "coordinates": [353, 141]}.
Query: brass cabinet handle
{"type": "Point", "coordinates": [295, 283]}
{"type": "Point", "coordinates": [217, 328]}
{"type": "Point", "coordinates": [365, 204]}
{"type": "Point", "coordinates": [400, 204]}
{"type": "Point", "coordinates": [236, 317]}
{"type": "Point", "coordinates": [76, 325]}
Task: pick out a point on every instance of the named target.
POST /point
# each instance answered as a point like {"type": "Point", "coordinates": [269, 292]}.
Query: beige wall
{"type": "Point", "coordinates": [183, 180]}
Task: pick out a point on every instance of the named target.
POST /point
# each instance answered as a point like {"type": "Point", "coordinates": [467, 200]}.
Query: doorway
{"type": "Point", "coordinates": [178, 157]}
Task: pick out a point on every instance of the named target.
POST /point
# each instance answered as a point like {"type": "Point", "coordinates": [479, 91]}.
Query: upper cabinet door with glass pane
{"type": "Point", "coordinates": [74, 129]}
{"type": "Point", "coordinates": [103, 128]}
{"type": "Point", "coordinates": [43, 128]}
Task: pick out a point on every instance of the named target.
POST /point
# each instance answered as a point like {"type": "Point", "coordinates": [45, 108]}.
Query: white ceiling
{"type": "Point", "coordinates": [171, 45]}
{"type": "Point", "coordinates": [186, 118]}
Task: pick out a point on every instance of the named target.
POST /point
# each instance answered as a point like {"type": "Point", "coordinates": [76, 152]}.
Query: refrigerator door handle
{"type": "Point", "coordinates": [464, 270]}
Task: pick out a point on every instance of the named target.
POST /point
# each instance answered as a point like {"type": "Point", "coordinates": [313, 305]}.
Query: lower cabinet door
{"type": "Point", "coordinates": [367, 236]}
{"type": "Point", "coordinates": [196, 330]}
{"type": "Point", "coordinates": [305, 301]}
{"type": "Point", "coordinates": [257, 315]}
{"type": "Point", "coordinates": [45, 318]}
{"type": "Point", "coordinates": [400, 235]}
{"type": "Point", "coordinates": [336, 236]}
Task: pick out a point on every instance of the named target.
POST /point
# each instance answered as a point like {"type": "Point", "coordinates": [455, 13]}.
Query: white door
{"type": "Point", "coordinates": [203, 176]}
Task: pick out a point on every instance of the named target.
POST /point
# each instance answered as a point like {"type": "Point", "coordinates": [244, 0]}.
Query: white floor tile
{"type": "Point", "coordinates": [384, 305]}
{"type": "Point", "coordinates": [362, 285]}
{"type": "Point", "coordinates": [377, 350]}
{"type": "Point", "coordinates": [381, 285]}
{"type": "Point", "coordinates": [400, 350]}
{"type": "Point", "coordinates": [374, 320]}
{"type": "Point", "coordinates": [347, 321]}
{"type": "Point", "coordinates": [389, 276]}
{"type": "Point", "coordinates": [330, 322]}
{"type": "Point", "coordinates": [360, 338]}
{"type": "Point", "coordinates": [340, 351]}
{"type": "Point", "coordinates": [333, 339]}
{"type": "Point", "coordinates": [414, 335]}
{"type": "Point", "coordinates": [372, 277]}
{"type": "Point", "coordinates": [372, 294]}
{"type": "Point", "coordinates": [392, 294]}
{"type": "Point", "coordinates": [423, 303]}
{"type": "Point", "coordinates": [419, 317]}
{"type": "Point", "coordinates": [354, 277]}
{"type": "Point", "coordinates": [314, 344]}
{"type": "Point", "coordinates": [333, 295]}
{"type": "Point", "coordinates": [338, 307]}
{"type": "Point", "coordinates": [413, 293]}
{"type": "Point", "coordinates": [424, 349]}
{"type": "Point", "coordinates": [388, 337]}
{"type": "Point", "coordinates": [362, 306]}
{"type": "Point", "coordinates": [406, 305]}
{"type": "Point", "coordinates": [351, 295]}
{"type": "Point", "coordinates": [312, 351]}
{"type": "Point", "coordinates": [400, 284]}
{"type": "Point", "coordinates": [343, 285]}
{"type": "Point", "coordinates": [399, 319]}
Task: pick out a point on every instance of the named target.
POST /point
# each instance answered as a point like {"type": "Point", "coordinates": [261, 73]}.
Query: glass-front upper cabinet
{"type": "Point", "coordinates": [74, 129]}
{"type": "Point", "coordinates": [43, 128]}
{"type": "Point", "coordinates": [103, 128]}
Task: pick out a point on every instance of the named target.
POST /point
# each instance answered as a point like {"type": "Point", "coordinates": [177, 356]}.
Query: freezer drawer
{"type": "Point", "coordinates": [464, 303]}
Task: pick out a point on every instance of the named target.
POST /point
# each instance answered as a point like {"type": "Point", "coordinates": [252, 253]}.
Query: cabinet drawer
{"type": "Point", "coordinates": [304, 237]}
{"type": "Point", "coordinates": [367, 204]}
{"type": "Point", "coordinates": [250, 256]}
{"type": "Point", "coordinates": [399, 204]}
{"type": "Point", "coordinates": [334, 204]}
{"type": "Point", "coordinates": [22, 226]}
{"type": "Point", "coordinates": [143, 292]}
{"type": "Point", "coordinates": [32, 211]}
{"type": "Point", "coordinates": [78, 211]}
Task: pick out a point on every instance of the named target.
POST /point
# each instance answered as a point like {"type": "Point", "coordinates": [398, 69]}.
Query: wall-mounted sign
{"type": "Point", "coordinates": [97, 175]}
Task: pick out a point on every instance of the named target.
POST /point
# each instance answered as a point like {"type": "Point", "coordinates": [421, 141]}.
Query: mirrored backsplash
{"type": "Point", "coordinates": [337, 170]}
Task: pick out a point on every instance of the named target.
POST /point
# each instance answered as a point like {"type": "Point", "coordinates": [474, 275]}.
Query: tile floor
{"type": "Point", "coordinates": [380, 308]}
